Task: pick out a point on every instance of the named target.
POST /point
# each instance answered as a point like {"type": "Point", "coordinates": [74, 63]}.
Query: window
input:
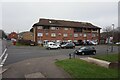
{"type": "Point", "coordinates": [85, 35]}
{"type": "Point", "coordinates": [46, 27]}
{"type": "Point", "coordinates": [46, 34]}
{"type": "Point", "coordinates": [39, 27]}
{"type": "Point", "coordinates": [77, 29]}
{"type": "Point", "coordinates": [39, 41]}
{"type": "Point", "coordinates": [80, 34]}
{"type": "Point", "coordinates": [52, 28]}
{"type": "Point", "coordinates": [89, 34]}
{"type": "Point", "coordinates": [65, 28]}
{"type": "Point", "coordinates": [40, 34]}
{"type": "Point", "coordinates": [50, 21]}
{"type": "Point", "coordinates": [71, 35]}
{"type": "Point", "coordinates": [65, 35]}
{"type": "Point", "coordinates": [59, 34]}
{"type": "Point", "coordinates": [93, 35]}
{"type": "Point", "coordinates": [75, 35]}
{"type": "Point", "coordinates": [75, 40]}
{"type": "Point", "coordinates": [94, 29]}
{"type": "Point", "coordinates": [53, 35]}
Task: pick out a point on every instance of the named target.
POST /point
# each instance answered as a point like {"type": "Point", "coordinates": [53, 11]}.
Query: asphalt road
{"type": "Point", "coordinates": [20, 53]}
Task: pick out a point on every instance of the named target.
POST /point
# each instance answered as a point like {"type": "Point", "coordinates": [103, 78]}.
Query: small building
{"type": "Point", "coordinates": [26, 35]}
{"type": "Point", "coordinates": [53, 30]}
{"type": "Point", "coordinates": [13, 35]}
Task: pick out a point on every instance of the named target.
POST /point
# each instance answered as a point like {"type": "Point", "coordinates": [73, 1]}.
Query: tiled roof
{"type": "Point", "coordinates": [63, 23]}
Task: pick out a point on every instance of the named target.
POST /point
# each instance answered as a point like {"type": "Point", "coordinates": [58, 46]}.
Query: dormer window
{"type": "Point", "coordinates": [52, 28]}
{"type": "Point", "coordinates": [50, 21]}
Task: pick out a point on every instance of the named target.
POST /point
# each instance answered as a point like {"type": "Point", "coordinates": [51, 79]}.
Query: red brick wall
{"type": "Point", "coordinates": [62, 31]}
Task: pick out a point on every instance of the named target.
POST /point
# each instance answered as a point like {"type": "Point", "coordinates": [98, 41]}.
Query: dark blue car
{"type": "Point", "coordinates": [85, 50]}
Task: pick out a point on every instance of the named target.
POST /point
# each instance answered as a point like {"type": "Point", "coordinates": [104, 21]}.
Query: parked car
{"type": "Point", "coordinates": [62, 43]}
{"type": "Point", "coordinates": [88, 42]}
{"type": "Point", "coordinates": [78, 43]}
{"type": "Point", "coordinates": [118, 43]}
{"type": "Point", "coordinates": [68, 45]}
{"type": "Point", "coordinates": [85, 50]}
{"type": "Point", "coordinates": [32, 43]}
{"type": "Point", "coordinates": [52, 45]}
{"type": "Point", "coordinates": [94, 43]}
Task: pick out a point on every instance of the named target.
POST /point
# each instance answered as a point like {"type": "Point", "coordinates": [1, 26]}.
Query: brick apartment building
{"type": "Point", "coordinates": [53, 30]}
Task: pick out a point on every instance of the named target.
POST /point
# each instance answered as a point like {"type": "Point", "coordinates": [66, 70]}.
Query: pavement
{"type": "Point", "coordinates": [44, 66]}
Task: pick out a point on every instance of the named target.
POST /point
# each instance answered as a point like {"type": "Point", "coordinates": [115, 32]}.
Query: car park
{"type": "Point", "coordinates": [85, 50]}
{"type": "Point", "coordinates": [52, 45]}
{"type": "Point", "coordinates": [68, 45]}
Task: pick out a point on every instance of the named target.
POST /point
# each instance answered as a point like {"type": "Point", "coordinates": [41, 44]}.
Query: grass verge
{"type": "Point", "coordinates": [108, 57]}
{"type": "Point", "coordinates": [81, 69]}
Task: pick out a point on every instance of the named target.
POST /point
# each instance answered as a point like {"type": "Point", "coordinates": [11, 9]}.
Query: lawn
{"type": "Point", "coordinates": [108, 57]}
{"type": "Point", "coordinates": [81, 69]}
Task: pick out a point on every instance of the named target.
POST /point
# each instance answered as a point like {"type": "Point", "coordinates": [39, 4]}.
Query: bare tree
{"type": "Point", "coordinates": [107, 29]}
{"type": "Point", "coordinates": [107, 32]}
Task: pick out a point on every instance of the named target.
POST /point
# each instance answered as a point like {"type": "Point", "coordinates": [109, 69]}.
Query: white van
{"type": "Point", "coordinates": [52, 45]}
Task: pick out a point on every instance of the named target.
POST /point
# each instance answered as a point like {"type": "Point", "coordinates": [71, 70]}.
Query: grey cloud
{"type": "Point", "coordinates": [21, 16]}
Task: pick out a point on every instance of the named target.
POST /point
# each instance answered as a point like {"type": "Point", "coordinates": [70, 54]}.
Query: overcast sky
{"type": "Point", "coordinates": [20, 16]}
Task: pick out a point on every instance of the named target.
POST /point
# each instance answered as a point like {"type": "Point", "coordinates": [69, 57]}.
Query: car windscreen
{"type": "Point", "coordinates": [83, 48]}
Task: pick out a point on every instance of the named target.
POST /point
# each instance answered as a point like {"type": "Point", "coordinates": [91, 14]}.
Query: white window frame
{"type": "Point", "coordinates": [93, 35]}
{"type": "Point", "coordinates": [59, 34]}
{"type": "Point", "coordinates": [50, 21]}
{"type": "Point", "coordinates": [39, 27]}
{"type": "Point", "coordinates": [80, 34]}
{"type": "Point", "coordinates": [85, 35]}
{"type": "Point", "coordinates": [46, 34]}
{"type": "Point", "coordinates": [53, 35]}
{"type": "Point", "coordinates": [65, 35]}
{"type": "Point", "coordinates": [75, 35]}
{"type": "Point", "coordinates": [52, 28]}
{"type": "Point", "coordinates": [75, 41]}
{"type": "Point", "coordinates": [39, 34]}
{"type": "Point", "coordinates": [65, 28]}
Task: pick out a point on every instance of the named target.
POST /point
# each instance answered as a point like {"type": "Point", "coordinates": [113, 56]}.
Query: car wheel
{"type": "Point", "coordinates": [94, 53]}
{"type": "Point", "coordinates": [83, 53]}
{"type": "Point", "coordinates": [75, 52]}
{"type": "Point", "coordinates": [49, 48]}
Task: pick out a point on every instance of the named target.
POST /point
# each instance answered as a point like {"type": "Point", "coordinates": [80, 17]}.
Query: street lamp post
{"type": "Point", "coordinates": [113, 38]}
